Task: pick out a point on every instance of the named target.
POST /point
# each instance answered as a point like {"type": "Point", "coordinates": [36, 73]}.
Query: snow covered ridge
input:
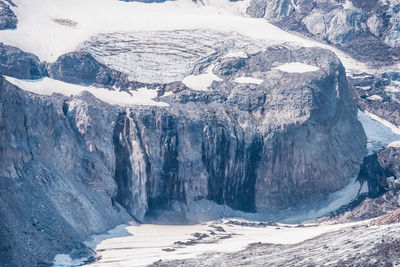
{"type": "Point", "coordinates": [47, 86]}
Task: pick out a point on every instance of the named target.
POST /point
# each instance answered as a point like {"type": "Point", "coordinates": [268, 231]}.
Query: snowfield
{"type": "Point", "coordinates": [93, 17]}
{"type": "Point", "coordinates": [139, 245]}
{"type": "Point", "coordinates": [42, 34]}
{"type": "Point", "coordinates": [47, 86]}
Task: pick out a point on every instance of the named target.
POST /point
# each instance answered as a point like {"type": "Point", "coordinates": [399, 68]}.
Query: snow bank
{"type": "Point", "coordinates": [296, 67]}
{"type": "Point", "coordinates": [47, 86]}
{"type": "Point", "coordinates": [248, 80]}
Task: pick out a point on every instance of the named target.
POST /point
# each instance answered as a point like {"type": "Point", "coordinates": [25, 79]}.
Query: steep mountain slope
{"type": "Point", "coordinates": [234, 144]}
{"type": "Point", "coordinates": [141, 114]}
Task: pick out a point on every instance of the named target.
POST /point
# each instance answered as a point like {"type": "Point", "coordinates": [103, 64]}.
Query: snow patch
{"type": "Point", "coordinates": [365, 88]}
{"type": "Point", "coordinates": [392, 89]}
{"type": "Point", "coordinates": [364, 188]}
{"type": "Point", "coordinates": [296, 67]}
{"type": "Point", "coordinates": [248, 80]}
{"type": "Point", "coordinates": [395, 144]}
{"type": "Point", "coordinates": [380, 132]}
{"type": "Point", "coordinates": [347, 5]}
{"type": "Point", "coordinates": [47, 86]}
{"type": "Point", "coordinates": [65, 260]}
{"type": "Point", "coordinates": [375, 98]}
{"type": "Point", "coordinates": [202, 81]}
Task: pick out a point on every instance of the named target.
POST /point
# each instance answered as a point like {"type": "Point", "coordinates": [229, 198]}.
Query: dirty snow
{"type": "Point", "coordinates": [47, 86]}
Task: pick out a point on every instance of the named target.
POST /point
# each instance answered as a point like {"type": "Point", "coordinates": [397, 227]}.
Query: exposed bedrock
{"type": "Point", "coordinates": [367, 30]}
{"type": "Point", "coordinates": [17, 63]}
{"type": "Point", "coordinates": [55, 188]}
{"type": "Point", "coordinates": [82, 68]}
{"type": "Point", "coordinates": [378, 94]}
{"type": "Point", "coordinates": [72, 167]}
{"type": "Point", "coordinates": [251, 147]}
{"type": "Point", "coordinates": [380, 173]}
{"type": "Point", "coordinates": [8, 20]}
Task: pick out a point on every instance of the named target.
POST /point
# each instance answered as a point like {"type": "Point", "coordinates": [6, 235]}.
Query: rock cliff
{"type": "Point", "coordinates": [75, 166]}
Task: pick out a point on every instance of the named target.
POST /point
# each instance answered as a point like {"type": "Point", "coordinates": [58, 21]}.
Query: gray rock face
{"type": "Point", "coordinates": [8, 20]}
{"type": "Point", "coordinates": [83, 68]}
{"type": "Point", "coordinates": [56, 188]}
{"type": "Point", "coordinates": [252, 147]}
{"type": "Point", "coordinates": [17, 63]}
{"type": "Point", "coordinates": [237, 143]}
{"type": "Point", "coordinates": [378, 94]}
{"type": "Point", "coordinates": [389, 158]}
{"type": "Point", "coordinates": [368, 30]}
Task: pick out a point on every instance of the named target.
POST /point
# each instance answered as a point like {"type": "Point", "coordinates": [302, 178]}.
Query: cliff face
{"type": "Point", "coordinates": [55, 190]}
{"type": "Point", "coordinates": [71, 167]}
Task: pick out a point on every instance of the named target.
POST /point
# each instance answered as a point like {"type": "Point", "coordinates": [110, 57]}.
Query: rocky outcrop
{"type": "Point", "coordinates": [83, 68]}
{"type": "Point", "coordinates": [389, 158]}
{"type": "Point", "coordinates": [378, 94]}
{"type": "Point", "coordinates": [17, 63]}
{"type": "Point", "coordinates": [8, 20]}
{"type": "Point", "coordinates": [379, 174]}
{"type": "Point", "coordinates": [367, 31]}
{"type": "Point", "coordinates": [374, 175]}
{"type": "Point", "coordinates": [56, 188]}
{"type": "Point", "coordinates": [250, 146]}
{"type": "Point", "coordinates": [237, 144]}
